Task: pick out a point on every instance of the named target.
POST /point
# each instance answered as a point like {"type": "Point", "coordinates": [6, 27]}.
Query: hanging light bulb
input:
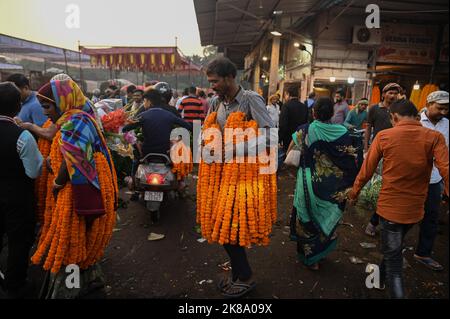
{"type": "Point", "coordinates": [351, 80]}
{"type": "Point", "coordinates": [416, 86]}
{"type": "Point", "coordinates": [263, 76]}
{"type": "Point", "coordinates": [265, 58]}
{"type": "Point", "coordinates": [332, 79]}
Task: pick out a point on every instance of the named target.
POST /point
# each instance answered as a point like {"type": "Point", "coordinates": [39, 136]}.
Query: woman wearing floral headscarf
{"type": "Point", "coordinates": [81, 197]}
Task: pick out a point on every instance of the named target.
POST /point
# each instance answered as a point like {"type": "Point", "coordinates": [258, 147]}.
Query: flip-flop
{"type": "Point", "coordinates": [314, 267]}
{"type": "Point", "coordinates": [224, 282]}
{"type": "Point", "coordinates": [429, 262]}
{"type": "Point", "coordinates": [370, 230]}
{"type": "Point", "coordinates": [243, 288]}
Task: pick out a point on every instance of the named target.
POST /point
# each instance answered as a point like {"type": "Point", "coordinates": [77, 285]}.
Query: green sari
{"type": "Point", "coordinates": [328, 167]}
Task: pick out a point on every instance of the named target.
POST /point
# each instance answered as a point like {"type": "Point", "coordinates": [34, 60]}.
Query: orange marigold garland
{"type": "Point", "coordinates": [182, 160]}
{"type": "Point", "coordinates": [64, 205]}
{"type": "Point", "coordinates": [48, 228]}
{"type": "Point", "coordinates": [44, 146]}
{"type": "Point", "coordinates": [235, 202]}
{"type": "Point", "coordinates": [65, 238]}
{"type": "Point", "coordinates": [106, 182]}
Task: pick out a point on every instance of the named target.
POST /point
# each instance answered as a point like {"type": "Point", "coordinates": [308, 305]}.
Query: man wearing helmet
{"type": "Point", "coordinates": [166, 95]}
{"type": "Point", "coordinates": [157, 124]}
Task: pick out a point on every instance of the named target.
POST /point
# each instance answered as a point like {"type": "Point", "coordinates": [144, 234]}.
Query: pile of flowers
{"type": "Point", "coordinates": [113, 121]}
{"type": "Point", "coordinates": [112, 124]}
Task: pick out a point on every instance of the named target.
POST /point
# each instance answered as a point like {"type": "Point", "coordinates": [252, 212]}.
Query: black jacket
{"type": "Point", "coordinates": [293, 114]}
{"type": "Point", "coordinates": [157, 124]}
{"type": "Point", "coordinates": [13, 179]}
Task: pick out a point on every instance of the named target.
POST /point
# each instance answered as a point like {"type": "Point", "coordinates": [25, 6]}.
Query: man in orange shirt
{"type": "Point", "coordinates": [407, 165]}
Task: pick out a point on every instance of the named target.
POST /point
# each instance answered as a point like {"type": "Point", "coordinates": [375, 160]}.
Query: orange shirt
{"type": "Point", "coordinates": [407, 150]}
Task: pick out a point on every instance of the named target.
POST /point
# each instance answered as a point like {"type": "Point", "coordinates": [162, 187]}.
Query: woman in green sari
{"type": "Point", "coordinates": [327, 169]}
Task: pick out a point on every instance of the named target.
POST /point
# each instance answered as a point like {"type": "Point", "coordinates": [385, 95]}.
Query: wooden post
{"type": "Point", "coordinates": [274, 66]}
{"type": "Point", "coordinates": [256, 77]}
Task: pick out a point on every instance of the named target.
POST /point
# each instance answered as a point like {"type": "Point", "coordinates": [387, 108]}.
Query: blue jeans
{"type": "Point", "coordinates": [392, 235]}
{"type": "Point", "coordinates": [429, 224]}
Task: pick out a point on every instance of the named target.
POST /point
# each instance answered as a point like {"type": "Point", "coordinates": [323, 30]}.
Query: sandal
{"type": "Point", "coordinates": [224, 283]}
{"type": "Point", "coordinates": [370, 230]}
{"type": "Point", "coordinates": [429, 262]}
{"type": "Point", "coordinates": [314, 267]}
{"type": "Point", "coordinates": [238, 289]}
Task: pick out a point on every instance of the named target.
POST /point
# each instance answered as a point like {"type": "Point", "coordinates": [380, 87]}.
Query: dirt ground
{"type": "Point", "coordinates": [179, 266]}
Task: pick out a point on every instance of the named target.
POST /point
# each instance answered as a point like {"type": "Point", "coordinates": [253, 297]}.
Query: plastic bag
{"type": "Point", "coordinates": [293, 157]}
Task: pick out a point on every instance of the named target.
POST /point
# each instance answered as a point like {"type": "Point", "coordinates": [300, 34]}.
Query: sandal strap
{"type": "Point", "coordinates": [243, 285]}
{"type": "Point", "coordinates": [428, 261]}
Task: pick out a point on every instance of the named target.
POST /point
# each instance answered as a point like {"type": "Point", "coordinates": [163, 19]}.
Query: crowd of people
{"type": "Point", "coordinates": [408, 148]}
{"type": "Point", "coordinates": [52, 142]}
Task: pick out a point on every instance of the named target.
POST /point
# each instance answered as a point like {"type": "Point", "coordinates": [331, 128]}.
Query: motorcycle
{"type": "Point", "coordinates": [156, 182]}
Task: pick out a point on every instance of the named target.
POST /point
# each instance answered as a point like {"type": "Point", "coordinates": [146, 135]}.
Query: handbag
{"type": "Point", "coordinates": [293, 157]}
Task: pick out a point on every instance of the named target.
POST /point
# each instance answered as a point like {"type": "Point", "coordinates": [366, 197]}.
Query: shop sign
{"type": "Point", "coordinates": [408, 44]}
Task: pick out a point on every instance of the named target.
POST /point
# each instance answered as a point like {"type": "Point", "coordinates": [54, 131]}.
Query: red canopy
{"type": "Point", "coordinates": [151, 59]}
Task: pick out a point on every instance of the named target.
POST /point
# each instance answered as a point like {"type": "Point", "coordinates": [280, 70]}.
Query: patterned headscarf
{"type": "Point", "coordinates": [45, 93]}
{"type": "Point", "coordinates": [81, 138]}
{"type": "Point", "coordinates": [68, 96]}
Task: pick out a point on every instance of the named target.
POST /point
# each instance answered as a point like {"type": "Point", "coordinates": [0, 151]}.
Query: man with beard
{"type": "Point", "coordinates": [340, 108]}
{"type": "Point", "coordinates": [433, 117]}
{"type": "Point", "coordinates": [221, 74]}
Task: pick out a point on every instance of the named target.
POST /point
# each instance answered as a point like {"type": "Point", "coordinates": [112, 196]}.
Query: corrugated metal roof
{"type": "Point", "coordinates": [9, 44]}
{"type": "Point", "coordinates": [240, 22]}
{"type": "Point", "coordinates": [238, 25]}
